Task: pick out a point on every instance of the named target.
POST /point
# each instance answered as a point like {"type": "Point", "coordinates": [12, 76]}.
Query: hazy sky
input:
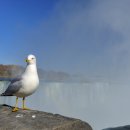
{"type": "Point", "coordinates": [90, 37]}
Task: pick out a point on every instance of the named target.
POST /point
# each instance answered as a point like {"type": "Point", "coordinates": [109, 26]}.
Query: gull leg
{"type": "Point", "coordinates": [24, 108]}
{"type": "Point", "coordinates": [15, 108]}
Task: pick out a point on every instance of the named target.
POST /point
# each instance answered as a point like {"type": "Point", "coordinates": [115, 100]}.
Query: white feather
{"type": "Point", "coordinates": [30, 80]}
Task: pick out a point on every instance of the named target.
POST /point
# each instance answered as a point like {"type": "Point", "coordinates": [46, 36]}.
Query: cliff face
{"type": "Point", "coordinates": [10, 70]}
{"type": "Point", "coordinates": [37, 120]}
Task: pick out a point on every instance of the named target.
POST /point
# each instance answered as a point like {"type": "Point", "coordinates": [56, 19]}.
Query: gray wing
{"type": "Point", "coordinates": [13, 87]}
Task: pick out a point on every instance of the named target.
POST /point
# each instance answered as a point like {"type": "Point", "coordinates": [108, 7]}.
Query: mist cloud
{"type": "Point", "coordinates": [86, 37]}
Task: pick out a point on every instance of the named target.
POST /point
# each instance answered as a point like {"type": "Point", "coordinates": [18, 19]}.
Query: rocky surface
{"type": "Point", "coordinates": [37, 120]}
{"type": "Point", "coordinates": [120, 128]}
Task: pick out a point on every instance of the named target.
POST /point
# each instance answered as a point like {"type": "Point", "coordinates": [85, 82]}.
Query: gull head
{"type": "Point", "coordinates": [31, 59]}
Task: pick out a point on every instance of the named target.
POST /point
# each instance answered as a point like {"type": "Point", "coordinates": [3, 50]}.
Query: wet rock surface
{"type": "Point", "coordinates": [37, 120]}
{"type": "Point", "coordinates": [127, 127]}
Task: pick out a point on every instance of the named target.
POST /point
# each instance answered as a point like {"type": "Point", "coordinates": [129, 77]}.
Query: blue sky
{"type": "Point", "coordinates": [88, 37]}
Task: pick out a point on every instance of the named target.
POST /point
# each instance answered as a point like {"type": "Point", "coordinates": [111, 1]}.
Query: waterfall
{"type": "Point", "coordinates": [3, 86]}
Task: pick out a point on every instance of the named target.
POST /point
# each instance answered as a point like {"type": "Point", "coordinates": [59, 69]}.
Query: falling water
{"type": "Point", "coordinates": [3, 86]}
{"type": "Point", "coordinates": [102, 105]}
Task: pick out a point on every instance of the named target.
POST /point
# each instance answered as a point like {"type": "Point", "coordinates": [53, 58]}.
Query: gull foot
{"type": "Point", "coordinates": [15, 109]}
{"type": "Point", "coordinates": [25, 108]}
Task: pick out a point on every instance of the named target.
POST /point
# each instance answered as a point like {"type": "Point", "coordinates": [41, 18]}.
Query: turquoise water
{"type": "Point", "coordinates": [102, 105]}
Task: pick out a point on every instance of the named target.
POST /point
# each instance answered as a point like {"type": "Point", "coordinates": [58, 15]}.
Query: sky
{"type": "Point", "coordinates": [86, 37]}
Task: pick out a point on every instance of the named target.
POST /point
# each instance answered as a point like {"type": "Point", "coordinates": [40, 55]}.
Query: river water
{"type": "Point", "coordinates": [102, 105]}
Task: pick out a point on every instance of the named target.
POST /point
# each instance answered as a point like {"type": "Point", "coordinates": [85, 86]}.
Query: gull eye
{"type": "Point", "coordinates": [32, 58]}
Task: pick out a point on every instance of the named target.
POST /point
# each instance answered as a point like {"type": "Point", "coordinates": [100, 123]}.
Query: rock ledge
{"type": "Point", "coordinates": [37, 120]}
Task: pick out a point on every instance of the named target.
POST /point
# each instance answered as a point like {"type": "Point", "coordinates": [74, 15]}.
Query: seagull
{"type": "Point", "coordinates": [24, 85]}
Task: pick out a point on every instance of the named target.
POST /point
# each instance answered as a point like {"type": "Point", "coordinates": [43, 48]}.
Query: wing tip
{"type": "Point", "coordinates": [4, 94]}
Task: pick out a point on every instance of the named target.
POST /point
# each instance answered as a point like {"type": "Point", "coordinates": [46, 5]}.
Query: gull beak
{"type": "Point", "coordinates": [26, 60]}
